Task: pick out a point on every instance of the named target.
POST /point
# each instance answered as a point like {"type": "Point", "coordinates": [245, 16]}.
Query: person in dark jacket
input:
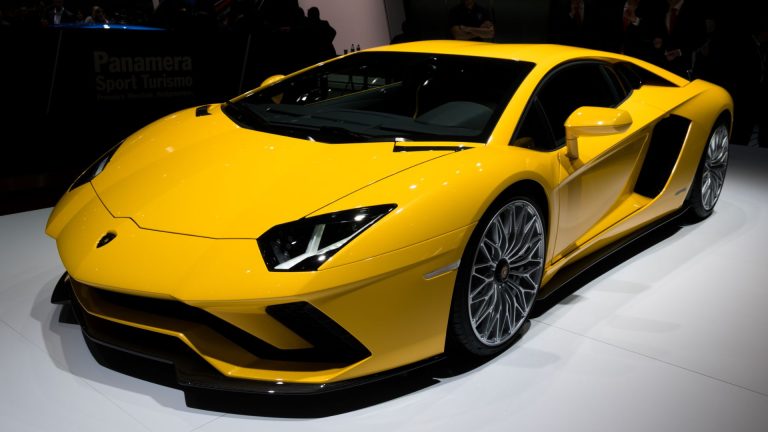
{"type": "Point", "coordinates": [470, 21]}
{"type": "Point", "coordinates": [320, 37]}
{"type": "Point", "coordinates": [57, 14]}
{"type": "Point", "coordinates": [680, 30]}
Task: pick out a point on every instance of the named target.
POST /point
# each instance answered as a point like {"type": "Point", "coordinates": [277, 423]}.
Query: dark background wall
{"type": "Point", "coordinates": [69, 94]}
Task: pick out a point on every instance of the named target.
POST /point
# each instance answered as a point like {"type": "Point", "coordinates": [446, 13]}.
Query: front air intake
{"type": "Point", "coordinates": [326, 336]}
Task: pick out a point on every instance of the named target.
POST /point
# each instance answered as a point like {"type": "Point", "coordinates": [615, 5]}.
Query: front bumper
{"type": "Point", "coordinates": [167, 360]}
{"type": "Point", "coordinates": [319, 331]}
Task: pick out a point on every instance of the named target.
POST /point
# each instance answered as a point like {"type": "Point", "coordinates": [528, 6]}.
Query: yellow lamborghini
{"type": "Point", "coordinates": [353, 219]}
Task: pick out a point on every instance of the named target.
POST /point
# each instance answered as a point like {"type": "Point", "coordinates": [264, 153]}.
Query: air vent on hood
{"type": "Point", "coordinates": [202, 111]}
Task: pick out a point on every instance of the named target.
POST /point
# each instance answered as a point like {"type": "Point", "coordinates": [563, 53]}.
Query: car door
{"type": "Point", "coordinates": [595, 188]}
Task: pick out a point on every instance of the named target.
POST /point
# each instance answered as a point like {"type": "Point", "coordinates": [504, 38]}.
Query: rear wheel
{"type": "Point", "coordinates": [710, 176]}
{"type": "Point", "coordinates": [499, 277]}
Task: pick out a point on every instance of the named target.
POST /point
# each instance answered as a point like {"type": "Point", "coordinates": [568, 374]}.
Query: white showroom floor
{"type": "Point", "coordinates": [674, 338]}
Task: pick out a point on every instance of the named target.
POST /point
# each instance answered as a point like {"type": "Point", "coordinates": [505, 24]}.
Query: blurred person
{"type": "Point", "coordinates": [27, 16]}
{"type": "Point", "coordinates": [232, 15]}
{"type": "Point", "coordinates": [185, 15]}
{"type": "Point", "coordinates": [4, 23]}
{"type": "Point", "coordinates": [203, 16]}
{"type": "Point", "coordinates": [319, 35]}
{"type": "Point", "coordinates": [283, 16]}
{"type": "Point", "coordinates": [172, 15]}
{"type": "Point", "coordinates": [637, 29]}
{"type": "Point", "coordinates": [470, 21]}
{"type": "Point", "coordinates": [57, 14]}
{"type": "Point", "coordinates": [762, 109]}
{"type": "Point", "coordinates": [680, 30]}
{"type": "Point", "coordinates": [574, 23]}
{"type": "Point", "coordinates": [97, 16]}
{"type": "Point", "coordinates": [283, 24]}
{"type": "Point", "coordinates": [733, 59]}
{"type": "Point", "coordinates": [408, 34]}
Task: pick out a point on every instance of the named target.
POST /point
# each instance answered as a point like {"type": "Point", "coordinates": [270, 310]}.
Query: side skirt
{"type": "Point", "coordinates": [571, 271]}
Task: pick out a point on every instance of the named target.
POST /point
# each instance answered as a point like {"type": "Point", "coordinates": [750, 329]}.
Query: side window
{"type": "Point", "coordinates": [572, 87]}
{"type": "Point", "coordinates": [534, 131]}
{"type": "Point", "coordinates": [620, 89]}
{"type": "Point", "coordinates": [629, 75]}
{"type": "Point", "coordinates": [637, 76]}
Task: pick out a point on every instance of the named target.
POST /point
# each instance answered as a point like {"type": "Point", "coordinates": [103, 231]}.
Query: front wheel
{"type": "Point", "coordinates": [710, 176]}
{"type": "Point", "coordinates": [499, 277]}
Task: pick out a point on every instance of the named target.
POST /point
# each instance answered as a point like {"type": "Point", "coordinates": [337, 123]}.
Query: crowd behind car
{"type": "Point", "coordinates": [722, 42]}
{"type": "Point", "coordinates": [196, 15]}
{"type": "Point", "coordinates": [725, 42]}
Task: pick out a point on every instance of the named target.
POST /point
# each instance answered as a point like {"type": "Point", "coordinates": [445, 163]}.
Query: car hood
{"type": "Point", "coordinates": [206, 176]}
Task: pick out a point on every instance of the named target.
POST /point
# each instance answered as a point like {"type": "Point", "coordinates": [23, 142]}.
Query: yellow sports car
{"type": "Point", "coordinates": [353, 219]}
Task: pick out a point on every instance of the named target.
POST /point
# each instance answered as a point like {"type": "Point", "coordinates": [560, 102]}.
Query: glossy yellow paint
{"type": "Point", "coordinates": [188, 196]}
{"type": "Point", "coordinates": [699, 101]}
{"type": "Point", "coordinates": [211, 178]}
{"type": "Point", "coordinates": [228, 279]}
{"type": "Point", "coordinates": [592, 121]}
{"type": "Point", "coordinates": [227, 357]}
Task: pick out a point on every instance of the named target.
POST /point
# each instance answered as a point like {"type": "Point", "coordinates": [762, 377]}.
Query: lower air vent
{"type": "Point", "coordinates": [325, 335]}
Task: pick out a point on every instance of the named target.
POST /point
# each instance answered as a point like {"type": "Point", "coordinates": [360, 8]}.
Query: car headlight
{"type": "Point", "coordinates": [305, 244]}
{"type": "Point", "coordinates": [96, 168]}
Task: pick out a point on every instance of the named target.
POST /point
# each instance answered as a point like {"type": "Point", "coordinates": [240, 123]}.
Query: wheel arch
{"type": "Point", "coordinates": [727, 117]}
{"type": "Point", "coordinates": [532, 189]}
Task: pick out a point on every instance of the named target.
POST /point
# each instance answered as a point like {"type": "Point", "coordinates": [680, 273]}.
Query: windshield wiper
{"type": "Point", "coordinates": [415, 148]}
{"type": "Point", "coordinates": [250, 119]}
{"type": "Point", "coordinates": [244, 116]}
{"type": "Point", "coordinates": [340, 133]}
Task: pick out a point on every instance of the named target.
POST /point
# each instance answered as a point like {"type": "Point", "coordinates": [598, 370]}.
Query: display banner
{"type": "Point", "coordinates": [78, 91]}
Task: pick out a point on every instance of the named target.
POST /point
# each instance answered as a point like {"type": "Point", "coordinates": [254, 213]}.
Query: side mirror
{"type": "Point", "coordinates": [593, 121]}
{"type": "Point", "coordinates": [271, 80]}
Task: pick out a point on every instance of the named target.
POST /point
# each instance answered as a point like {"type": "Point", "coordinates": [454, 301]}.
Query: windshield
{"type": "Point", "coordinates": [384, 96]}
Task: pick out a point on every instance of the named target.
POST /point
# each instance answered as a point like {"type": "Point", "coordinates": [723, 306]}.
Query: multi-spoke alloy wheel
{"type": "Point", "coordinates": [708, 183]}
{"type": "Point", "coordinates": [499, 277]}
{"type": "Point", "coordinates": [715, 164]}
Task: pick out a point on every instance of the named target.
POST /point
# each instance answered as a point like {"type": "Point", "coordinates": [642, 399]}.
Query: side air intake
{"type": "Point", "coordinates": [666, 142]}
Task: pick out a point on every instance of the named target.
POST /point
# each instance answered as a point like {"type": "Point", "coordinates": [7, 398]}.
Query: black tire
{"type": "Point", "coordinates": [508, 290]}
{"type": "Point", "coordinates": [710, 174]}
